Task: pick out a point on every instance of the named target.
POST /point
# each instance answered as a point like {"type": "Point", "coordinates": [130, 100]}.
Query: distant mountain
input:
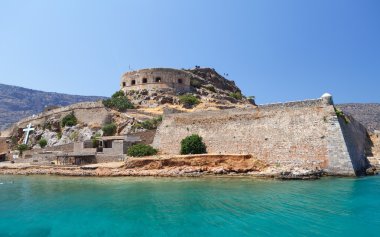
{"type": "Point", "coordinates": [17, 102]}
{"type": "Point", "coordinates": [367, 114]}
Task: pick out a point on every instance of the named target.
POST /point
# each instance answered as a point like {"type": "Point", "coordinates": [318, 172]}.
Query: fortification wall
{"type": "Point", "coordinates": [91, 113]}
{"type": "Point", "coordinates": [301, 134]}
{"type": "Point", "coordinates": [3, 145]}
{"type": "Point", "coordinates": [156, 78]}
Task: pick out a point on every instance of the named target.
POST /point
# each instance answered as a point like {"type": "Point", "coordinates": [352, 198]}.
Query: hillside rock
{"type": "Point", "coordinates": [366, 114]}
{"type": "Point", "coordinates": [17, 102]}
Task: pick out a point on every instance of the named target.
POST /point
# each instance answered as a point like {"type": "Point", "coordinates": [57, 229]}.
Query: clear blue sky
{"type": "Point", "coordinates": [279, 50]}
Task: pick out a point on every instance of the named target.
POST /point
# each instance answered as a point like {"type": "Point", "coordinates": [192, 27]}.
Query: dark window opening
{"type": "Point", "coordinates": [145, 80]}
{"type": "Point", "coordinates": [158, 79]}
{"type": "Point", "coordinates": [133, 82]}
{"type": "Point", "coordinates": [180, 81]}
{"type": "Point", "coordinates": [123, 84]}
{"type": "Point", "coordinates": [107, 144]}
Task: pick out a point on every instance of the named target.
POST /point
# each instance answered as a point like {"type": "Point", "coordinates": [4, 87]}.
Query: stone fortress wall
{"type": "Point", "coordinates": [91, 113]}
{"type": "Point", "coordinates": [300, 134]}
{"type": "Point", "coordinates": [156, 78]}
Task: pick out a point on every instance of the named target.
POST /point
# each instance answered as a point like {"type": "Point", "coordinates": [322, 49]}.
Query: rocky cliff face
{"type": "Point", "coordinates": [366, 114]}
{"type": "Point", "coordinates": [17, 102]}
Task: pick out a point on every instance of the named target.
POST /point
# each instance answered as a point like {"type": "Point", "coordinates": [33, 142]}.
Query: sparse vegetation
{"type": "Point", "coordinates": [211, 88]}
{"type": "Point", "coordinates": [22, 147]}
{"type": "Point", "coordinates": [109, 129]}
{"type": "Point", "coordinates": [236, 95]}
{"type": "Point", "coordinates": [74, 136]}
{"type": "Point", "coordinates": [148, 124]}
{"type": "Point", "coordinates": [42, 142]}
{"type": "Point", "coordinates": [59, 135]}
{"type": "Point", "coordinates": [193, 145]}
{"type": "Point", "coordinates": [189, 100]}
{"type": "Point", "coordinates": [69, 120]}
{"type": "Point", "coordinates": [341, 114]}
{"type": "Point", "coordinates": [119, 102]}
{"type": "Point", "coordinates": [195, 83]}
{"type": "Point", "coordinates": [140, 150]}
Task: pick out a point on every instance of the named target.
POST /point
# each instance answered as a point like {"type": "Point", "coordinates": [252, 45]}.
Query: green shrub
{"type": "Point", "coordinates": [69, 120]}
{"type": "Point", "coordinates": [42, 143]}
{"type": "Point", "coordinates": [95, 140]}
{"type": "Point", "coordinates": [59, 135]}
{"type": "Point", "coordinates": [148, 124]}
{"type": "Point", "coordinates": [193, 145]}
{"type": "Point", "coordinates": [189, 100]}
{"type": "Point", "coordinates": [236, 95]}
{"type": "Point", "coordinates": [109, 129]}
{"type": "Point", "coordinates": [211, 88]}
{"type": "Point", "coordinates": [119, 102]}
{"type": "Point", "coordinates": [141, 150]}
{"type": "Point", "coordinates": [118, 94]}
{"type": "Point", "coordinates": [22, 147]}
{"type": "Point", "coordinates": [195, 83]}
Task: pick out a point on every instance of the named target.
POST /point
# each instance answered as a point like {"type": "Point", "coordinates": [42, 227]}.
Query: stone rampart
{"type": "Point", "coordinates": [302, 134]}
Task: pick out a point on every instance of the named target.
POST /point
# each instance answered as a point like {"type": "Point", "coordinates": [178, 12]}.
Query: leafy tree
{"type": "Point", "coordinates": [193, 145]}
{"type": "Point", "coordinates": [118, 94]}
{"type": "Point", "coordinates": [140, 150]}
{"type": "Point", "coordinates": [69, 120]}
{"type": "Point", "coordinates": [119, 102]}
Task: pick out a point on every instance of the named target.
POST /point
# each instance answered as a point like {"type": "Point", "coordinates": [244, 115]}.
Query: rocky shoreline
{"type": "Point", "coordinates": [117, 172]}
{"type": "Point", "coordinates": [181, 166]}
{"type": "Point", "coordinates": [174, 166]}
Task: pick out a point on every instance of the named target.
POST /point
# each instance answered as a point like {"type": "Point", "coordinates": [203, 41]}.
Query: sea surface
{"type": "Point", "coordinates": [66, 206]}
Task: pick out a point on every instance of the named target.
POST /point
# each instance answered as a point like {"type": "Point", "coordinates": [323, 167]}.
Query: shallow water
{"type": "Point", "coordinates": [65, 206]}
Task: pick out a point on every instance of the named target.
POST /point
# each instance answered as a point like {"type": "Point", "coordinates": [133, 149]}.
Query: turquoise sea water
{"type": "Point", "coordinates": [62, 206]}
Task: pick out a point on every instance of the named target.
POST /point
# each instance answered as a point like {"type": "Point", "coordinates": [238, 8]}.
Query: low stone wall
{"type": "Point", "coordinates": [38, 159]}
{"type": "Point", "coordinates": [302, 134]}
{"type": "Point", "coordinates": [106, 158]}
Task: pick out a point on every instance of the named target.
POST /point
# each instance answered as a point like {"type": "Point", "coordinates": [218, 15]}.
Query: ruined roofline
{"type": "Point", "coordinates": [159, 69]}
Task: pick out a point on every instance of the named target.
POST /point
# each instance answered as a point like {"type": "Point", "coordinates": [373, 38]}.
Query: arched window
{"type": "Point", "coordinates": [145, 80]}
{"type": "Point", "coordinates": [158, 79]}
{"type": "Point", "coordinates": [124, 84]}
{"type": "Point", "coordinates": [180, 81]}
{"type": "Point", "coordinates": [133, 82]}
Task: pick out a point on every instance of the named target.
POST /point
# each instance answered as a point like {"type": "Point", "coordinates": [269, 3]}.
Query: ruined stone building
{"type": "Point", "coordinates": [156, 78]}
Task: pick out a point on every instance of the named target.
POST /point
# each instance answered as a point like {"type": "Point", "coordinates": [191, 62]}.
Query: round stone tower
{"type": "Point", "coordinates": [156, 78]}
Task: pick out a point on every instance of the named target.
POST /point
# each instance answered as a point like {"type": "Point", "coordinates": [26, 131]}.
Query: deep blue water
{"type": "Point", "coordinates": [61, 206]}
